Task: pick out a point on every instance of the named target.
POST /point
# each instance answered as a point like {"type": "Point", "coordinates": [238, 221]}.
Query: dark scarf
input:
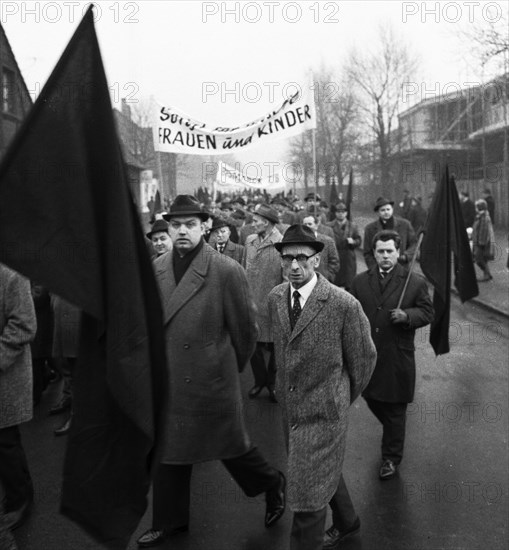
{"type": "Point", "coordinates": [181, 263]}
{"type": "Point", "coordinates": [387, 224]}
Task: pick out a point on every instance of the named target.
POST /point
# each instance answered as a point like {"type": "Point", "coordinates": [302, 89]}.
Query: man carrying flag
{"type": "Point", "coordinates": [67, 220]}
{"type": "Point", "coordinates": [395, 309]}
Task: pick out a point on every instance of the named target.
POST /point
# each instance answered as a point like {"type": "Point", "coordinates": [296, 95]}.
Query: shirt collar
{"type": "Point", "coordinates": [305, 291]}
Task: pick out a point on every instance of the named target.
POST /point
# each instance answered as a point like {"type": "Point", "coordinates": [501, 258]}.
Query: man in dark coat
{"type": "Point", "coordinates": [347, 239]}
{"type": "Point", "coordinates": [392, 385]}
{"type": "Point", "coordinates": [325, 357]}
{"type": "Point", "coordinates": [210, 331]}
{"type": "Point", "coordinates": [220, 237]}
{"type": "Point", "coordinates": [490, 201]}
{"type": "Point", "coordinates": [386, 220]}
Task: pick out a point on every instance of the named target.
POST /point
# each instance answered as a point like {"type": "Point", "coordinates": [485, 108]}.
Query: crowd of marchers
{"type": "Point", "coordinates": [276, 284]}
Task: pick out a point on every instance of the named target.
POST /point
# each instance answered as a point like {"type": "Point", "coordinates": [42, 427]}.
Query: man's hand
{"type": "Point", "coordinates": [398, 316]}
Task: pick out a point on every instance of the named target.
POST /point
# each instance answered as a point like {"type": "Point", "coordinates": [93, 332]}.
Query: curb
{"type": "Point", "coordinates": [483, 305]}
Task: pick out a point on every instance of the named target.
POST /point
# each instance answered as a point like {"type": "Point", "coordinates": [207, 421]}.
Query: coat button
{"type": "Point", "coordinates": [187, 379]}
{"type": "Point", "coordinates": [186, 346]}
{"type": "Point", "coordinates": [291, 388]}
{"type": "Point", "coordinates": [377, 330]}
{"type": "Point", "coordinates": [293, 427]}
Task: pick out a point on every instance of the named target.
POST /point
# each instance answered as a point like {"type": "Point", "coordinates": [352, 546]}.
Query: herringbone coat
{"type": "Point", "coordinates": [210, 334]}
{"type": "Point", "coordinates": [263, 268]}
{"type": "Point", "coordinates": [322, 367]}
{"type": "Point", "coordinates": [17, 329]}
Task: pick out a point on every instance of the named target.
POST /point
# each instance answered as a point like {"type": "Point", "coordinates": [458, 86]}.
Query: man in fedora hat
{"type": "Point", "coordinates": [210, 332]}
{"type": "Point", "coordinates": [160, 237]}
{"type": "Point", "coordinates": [263, 270]}
{"type": "Point", "coordinates": [325, 357]}
{"type": "Point", "coordinates": [220, 237]}
{"type": "Point", "coordinates": [387, 221]}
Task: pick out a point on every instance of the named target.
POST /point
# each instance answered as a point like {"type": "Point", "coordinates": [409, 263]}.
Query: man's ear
{"type": "Point", "coordinates": [318, 257]}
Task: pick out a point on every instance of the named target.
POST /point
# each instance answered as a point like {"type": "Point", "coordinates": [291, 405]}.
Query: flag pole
{"type": "Point", "coordinates": [417, 248]}
{"type": "Point", "coordinates": [315, 174]}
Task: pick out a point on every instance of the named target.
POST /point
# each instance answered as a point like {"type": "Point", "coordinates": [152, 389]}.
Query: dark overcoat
{"type": "Point", "coordinates": [394, 378]}
{"type": "Point", "coordinates": [210, 334]}
{"type": "Point", "coordinates": [346, 251]}
{"type": "Point", "coordinates": [17, 329]}
{"type": "Point", "coordinates": [322, 367]}
{"type": "Point", "coordinates": [234, 251]}
{"type": "Point", "coordinates": [402, 227]}
{"type": "Point", "coordinates": [66, 328]}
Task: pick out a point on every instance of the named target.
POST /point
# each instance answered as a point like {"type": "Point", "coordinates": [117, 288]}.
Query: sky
{"type": "Point", "coordinates": [226, 63]}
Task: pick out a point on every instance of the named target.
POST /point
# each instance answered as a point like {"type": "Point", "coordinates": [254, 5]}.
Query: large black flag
{"type": "Point", "coordinates": [68, 221]}
{"type": "Point", "coordinates": [445, 236]}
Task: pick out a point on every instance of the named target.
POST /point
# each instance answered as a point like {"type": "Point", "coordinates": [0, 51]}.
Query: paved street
{"type": "Point", "coordinates": [451, 492]}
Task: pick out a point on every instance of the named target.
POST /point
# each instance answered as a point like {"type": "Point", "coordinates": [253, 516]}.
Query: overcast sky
{"type": "Point", "coordinates": [188, 54]}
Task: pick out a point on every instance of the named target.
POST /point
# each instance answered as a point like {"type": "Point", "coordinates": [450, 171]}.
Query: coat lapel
{"type": "Point", "coordinates": [282, 310]}
{"type": "Point", "coordinates": [313, 306]}
{"type": "Point", "coordinates": [175, 296]}
{"type": "Point", "coordinates": [374, 283]}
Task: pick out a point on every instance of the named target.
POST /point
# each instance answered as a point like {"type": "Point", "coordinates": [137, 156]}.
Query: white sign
{"type": "Point", "coordinates": [176, 132]}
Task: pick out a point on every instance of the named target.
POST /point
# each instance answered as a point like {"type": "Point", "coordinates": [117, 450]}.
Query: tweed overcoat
{"type": "Point", "coordinates": [322, 366]}
{"type": "Point", "coordinates": [210, 333]}
{"type": "Point", "coordinates": [402, 227]}
{"type": "Point", "coordinates": [394, 378]}
{"type": "Point", "coordinates": [346, 251]}
{"type": "Point", "coordinates": [263, 268]}
{"type": "Point", "coordinates": [329, 259]}
{"type": "Point", "coordinates": [17, 329]}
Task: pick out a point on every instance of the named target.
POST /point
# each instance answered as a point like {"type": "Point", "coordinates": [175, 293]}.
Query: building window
{"type": "Point", "coordinates": [8, 95]}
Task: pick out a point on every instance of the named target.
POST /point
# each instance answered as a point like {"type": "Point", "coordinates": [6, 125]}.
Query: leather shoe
{"type": "Point", "coordinates": [13, 520]}
{"type": "Point", "coordinates": [272, 395]}
{"type": "Point", "coordinates": [61, 406]}
{"type": "Point", "coordinates": [153, 537]}
{"type": "Point", "coordinates": [334, 536]}
{"type": "Point", "coordinates": [275, 502]}
{"type": "Point", "coordinates": [64, 429]}
{"type": "Point", "coordinates": [387, 470]}
{"type": "Point", "coordinates": [254, 391]}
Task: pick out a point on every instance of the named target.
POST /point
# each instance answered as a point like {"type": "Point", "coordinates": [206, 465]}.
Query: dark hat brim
{"type": "Point", "coordinates": [380, 204]}
{"type": "Point", "coordinates": [202, 215]}
{"type": "Point", "coordinates": [317, 245]}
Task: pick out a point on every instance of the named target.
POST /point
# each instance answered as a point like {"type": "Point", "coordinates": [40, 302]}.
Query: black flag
{"type": "Point", "coordinates": [445, 236]}
{"type": "Point", "coordinates": [68, 221]}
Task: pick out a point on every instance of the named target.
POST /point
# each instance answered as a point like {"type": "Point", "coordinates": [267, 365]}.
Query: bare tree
{"type": "Point", "coordinates": [336, 132]}
{"type": "Point", "coordinates": [378, 77]}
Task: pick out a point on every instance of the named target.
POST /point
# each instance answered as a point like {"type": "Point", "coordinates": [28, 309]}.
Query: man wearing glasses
{"type": "Point", "coordinates": [325, 357]}
{"type": "Point", "coordinates": [210, 333]}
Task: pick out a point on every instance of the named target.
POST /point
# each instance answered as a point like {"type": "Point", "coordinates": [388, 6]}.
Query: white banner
{"type": "Point", "coordinates": [176, 132]}
{"type": "Point", "coordinates": [230, 179]}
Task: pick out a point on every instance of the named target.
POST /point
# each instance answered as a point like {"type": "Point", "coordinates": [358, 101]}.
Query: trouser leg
{"type": "Point", "coordinates": [252, 472]}
{"type": "Point", "coordinates": [393, 419]}
{"type": "Point", "coordinates": [14, 472]}
{"type": "Point", "coordinates": [38, 366]}
{"type": "Point", "coordinates": [308, 530]}
{"type": "Point", "coordinates": [343, 511]}
{"type": "Point", "coordinates": [258, 365]}
{"type": "Point", "coordinates": [271, 367]}
{"type": "Point", "coordinates": [171, 496]}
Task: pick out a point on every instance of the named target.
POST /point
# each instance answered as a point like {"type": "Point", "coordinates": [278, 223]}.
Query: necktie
{"type": "Point", "coordinates": [220, 247]}
{"type": "Point", "coordinates": [296, 309]}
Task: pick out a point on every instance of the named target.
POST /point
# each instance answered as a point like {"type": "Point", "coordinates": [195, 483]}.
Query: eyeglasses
{"type": "Point", "coordinates": [301, 258]}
